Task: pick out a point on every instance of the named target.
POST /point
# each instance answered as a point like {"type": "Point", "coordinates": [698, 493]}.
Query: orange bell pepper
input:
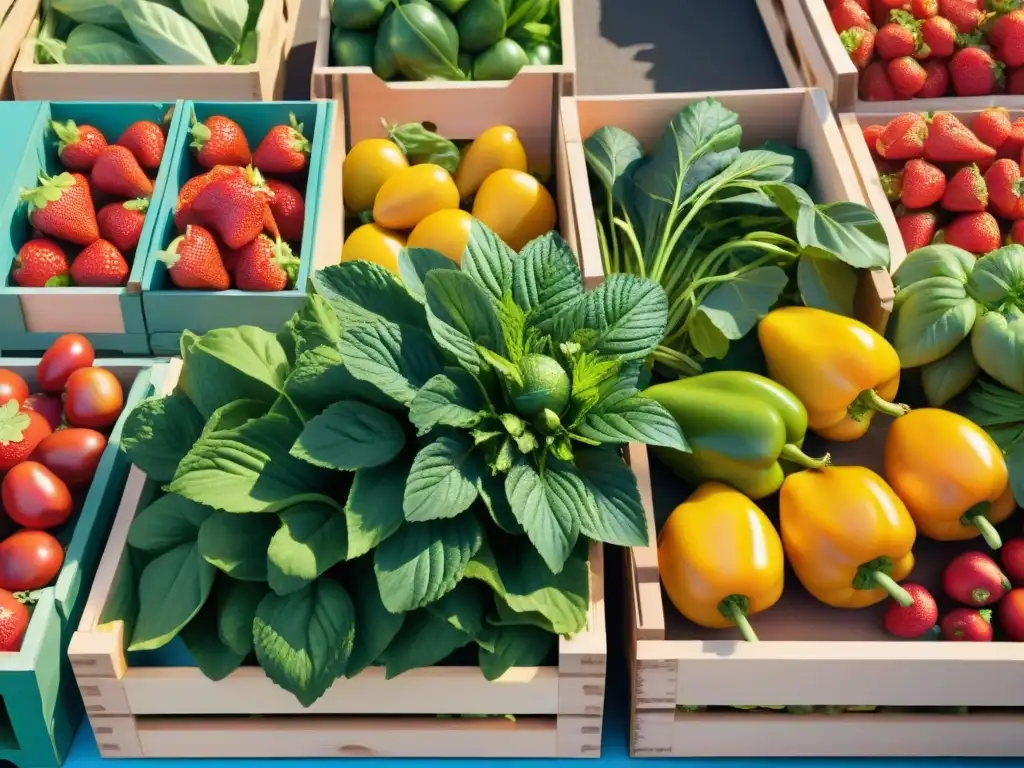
{"type": "Point", "coordinates": [950, 474]}
{"type": "Point", "coordinates": [840, 369]}
{"type": "Point", "coordinates": [720, 559]}
{"type": "Point", "coordinates": [847, 536]}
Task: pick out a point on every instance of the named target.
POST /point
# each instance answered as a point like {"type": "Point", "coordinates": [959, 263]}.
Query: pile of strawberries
{"type": "Point", "coordinates": [950, 183]}
{"type": "Point", "coordinates": [929, 48]}
{"type": "Point", "coordinates": [64, 216]}
{"type": "Point", "coordinates": [976, 584]}
{"type": "Point", "coordinates": [235, 226]}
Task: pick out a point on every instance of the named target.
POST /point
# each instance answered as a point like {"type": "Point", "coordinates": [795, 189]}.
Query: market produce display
{"type": "Point", "coordinates": [1000, 412]}
{"type": "Point", "coordinates": [51, 443]}
{"type": "Point", "coordinates": [414, 466]}
{"type": "Point", "coordinates": [147, 32]}
{"type": "Point", "coordinates": [952, 183]}
{"type": "Point", "coordinates": [96, 207]}
{"type": "Point", "coordinates": [445, 39]}
{"type": "Point", "coordinates": [237, 228]}
{"type": "Point", "coordinates": [928, 49]}
{"type": "Point", "coordinates": [729, 234]}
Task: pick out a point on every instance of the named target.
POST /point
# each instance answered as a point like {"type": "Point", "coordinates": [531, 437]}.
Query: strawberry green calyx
{"type": "Point", "coordinates": [255, 178]}
{"type": "Point", "coordinates": [170, 256]}
{"type": "Point", "coordinates": [286, 261]}
{"type": "Point", "coordinates": [141, 204]}
{"type": "Point", "coordinates": [299, 142]}
{"type": "Point", "coordinates": [13, 423]}
{"type": "Point", "coordinates": [49, 190]}
{"type": "Point", "coordinates": [66, 133]}
{"type": "Point", "coordinates": [59, 281]}
{"type": "Point", "coordinates": [200, 136]}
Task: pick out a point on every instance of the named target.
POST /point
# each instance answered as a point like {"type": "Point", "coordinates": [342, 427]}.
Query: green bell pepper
{"type": "Point", "coordinates": [739, 426]}
{"type": "Point", "coordinates": [352, 49]}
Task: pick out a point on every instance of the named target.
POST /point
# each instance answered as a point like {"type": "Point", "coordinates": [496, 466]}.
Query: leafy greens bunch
{"type": "Point", "coordinates": [144, 32]}
{"type": "Point", "coordinates": [727, 233]}
{"type": "Point", "coordinates": [409, 468]}
{"type": "Point", "coordinates": [1000, 412]}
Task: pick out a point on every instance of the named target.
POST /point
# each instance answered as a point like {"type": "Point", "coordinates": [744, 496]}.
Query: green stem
{"type": "Point", "coordinates": [631, 236]}
{"type": "Point", "coordinates": [605, 254]}
{"type": "Point", "coordinates": [736, 607]}
{"type": "Point", "coordinates": [617, 266]}
{"type": "Point", "coordinates": [869, 400]}
{"type": "Point", "coordinates": [896, 592]}
{"type": "Point", "coordinates": [976, 516]}
{"type": "Point", "coordinates": [676, 361]}
{"type": "Point", "coordinates": [794, 454]}
{"type": "Point", "coordinates": [679, 273]}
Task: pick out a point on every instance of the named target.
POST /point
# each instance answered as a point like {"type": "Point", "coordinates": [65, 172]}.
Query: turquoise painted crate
{"type": "Point", "coordinates": [112, 318]}
{"type": "Point", "coordinates": [168, 310]}
{"type": "Point", "coordinates": [40, 706]}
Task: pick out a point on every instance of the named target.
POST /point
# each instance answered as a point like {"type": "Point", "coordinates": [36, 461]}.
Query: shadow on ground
{"type": "Point", "coordinates": [643, 46]}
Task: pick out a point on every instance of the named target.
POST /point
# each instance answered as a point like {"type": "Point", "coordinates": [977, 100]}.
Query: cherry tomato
{"type": "Point", "coordinates": [34, 497]}
{"type": "Point", "coordinates": [51, 407]}
{"type": "Point", "coordinates": [13, 622]}
{"type": "Point", "coordinates": [29, 560]}
{"type": "Point", "coordinates": [12, 387]}
{"type": "Point", "coordinates": [72, 454]}
{"type": "Point", "coordinates": [92, 398]}
{"type": "Point", "coordinates": [65, 356]}
{"type": "Point", "coordinates": [20, 432]}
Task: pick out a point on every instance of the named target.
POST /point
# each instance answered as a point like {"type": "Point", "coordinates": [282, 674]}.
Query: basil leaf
{"type": "Point", "coordinates": [158, 433]}
{"type": "Point", "coordinates": [452, 399]}
{"type": "Point", "coordinates": [376, 626]}
{"type": "Point", "coordinates": [221, 17]}
{"type": "Point", "coordinates": [215, 658]}
{"type": "Point", "coordinates": [106, 13]}
{"type": "Point", "coordinates": [171, 37]}
{"type": "Point", "coordinates": [91, 45]}
{"type": "Point", "coordinates": [635, 419]}
{"type": "Point", "coordinates": [488, 260]}
{"type": "Point", "coordinates": [374, 508]}
{"type": "Point", "coordinates": [311, 540]}
{"type": "Point", "coordinates": [396, 360]}
{"type": "Point", "coordinates": [237, 544]}
{"type": "Point", "coordinates": [350, 435]}
{"type": "Point", "coordinates": [172, 589]}
{"type": "Point", "coordinates": [547, 506]}
{"type": "Point", "coordinates": [522, 646]}
{"type": "Point", "coordinates": [443, 480]}
{"type": "Point", "coordinates": [423, 641]}
{"type": "Point", "coordinates": [167, 522]}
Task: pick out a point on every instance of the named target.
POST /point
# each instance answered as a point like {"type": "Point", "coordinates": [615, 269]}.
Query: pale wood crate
{"type": "Point", "coordinates": [797, 116]}
{"type": "Point", "coordinates": [789, 31]}
{"type": "Point", "coordinates": [175, 712]}
{"type": "Point", "coordinates": [18, 16]}
{"type": "Point", "coordinates": [262, 81]}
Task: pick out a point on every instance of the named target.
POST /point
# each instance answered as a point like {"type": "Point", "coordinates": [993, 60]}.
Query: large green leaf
{"type": "Point", "coordinates": [443, 478]}
{"type": "Point", "coordinates": [350, 435]}
{"type": "Point", "coordinates": [736, 306]}
{"type": "Point", "coordinates": [167, 522]}
{"type": "Point", "coordinates": [424, 640]}
{"type": "Point", "coordinates": [215, 658]}
{"type": "Point", "coordinates": [849, 232]}
{"type": "Point", "coordinates": [236, 603]}
{"type": "Point", "coordinates": [237, 544]}
{"type": "Point", "coordinates": [488, 260]}
{"type": "Point", "coordinates": [611, 152]}
{"type": "Point", "coordinates": [414, 264]}
{"type": "Point", "coordinates": [362, 292]}
{"type": "Point", "coordinates": [522, 646]}
{"type": "Point", "coordinates": [376, 626]}
{"type": "Point", "coordinates": [158, 433]}
{"type": "Point", "coordinates": [827, 283]}
{"type": "Point", "coordinates": [461, 316]}
{"type": "Point", "coordinates": [172, 589]}
{"type": "Point", "coordinates": [320, 378]}
{"type": "Point", "coordinates": [451, 399]}
{"type": "Point", "coordinates": [546, 280]}
{"type": "Point", "coordinates": [636, 419]}
{"type": "Point", "coordinates": [615, 513]}
{"type": "Point", "coordinates": [313, 325]}
{"type": "Point", "coordinates": [312, 538]}
{"type": "Point", "coordinates": [628, 316]}
{"type": "Point", "coordinates": [547, 506]}
{"type": "Point", "coordinates": [396, 360]}
{"type": "Point", "coordinates": [374, 508]}
{"type": "Point", "coordinates": [465, 606]}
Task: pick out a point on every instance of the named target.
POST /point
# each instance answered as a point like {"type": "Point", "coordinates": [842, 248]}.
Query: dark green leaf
{"type": "Point", "coordinates": [215, 659]}
{"type": "Point", "coordinates": [172, 589]}
{"type": "Point", "coordinates": [374, 507]}
{"type": "Point", "coordinates": [236, 603]}
{"type": "Point", "coordinates": [516, 647]}
{"type": "Point", "coordinates": [546, 280]}
{"type": "Point", "coordinates": [237, 544]}
{"type": "Point", "coordinates": [415, 263]}
{"type": "Point", "coordinates": [158, 433]}
{"type": "Point", "coordinates": [360, 291]}
{"type": "Point", "coordinates": [611, 152]}
{"type": "Point", "coordinates": [614, 513]}
{"type": "Point", "coordinates": [442, 481]}
{"type": "Point", "coordinates": [546, 505]}
{"type": "Point", "coordinates": [827, 283]}
{"type": "Point", "coordinates": [706, 337]}
{"type": "Point", "coordinates": [635, 419]}
{"type": "Point", "coordinates": [488, 260]}
{"type": "Point", "coordinates": [628, 316]}
{"type": "Point", "coordinates": [320, 378]}
{"type": "Point", "coordinates": [396, 360]}
{"type": "Point", "coordinates": [424, 640]}
{"type": "Point", "coordinates": [850, 232]}
{"type": "Point", "coordinates": [167, 522]}
{"type": "Point", "coordinates": [461, 317]}
{"type": "Point", "coordinates": [452, 399]}
{"type": "Point", "coordinates": [234, 415]}
{"type": "Point", "coordinates": [736, 306]}
{"type": "Point", "coordinates": [464, 606]}
{"type": "Point", "coordinates": [350, 435]}
{"type": "Point", "coordinates": [492, 492]}
{"type": "Point", "coordinates": [312, 538]}
{"type": "Point", "coordinates": [376, 626]}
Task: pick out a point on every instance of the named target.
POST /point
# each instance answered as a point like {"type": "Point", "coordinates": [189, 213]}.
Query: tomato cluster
{"type": "Point", "coordinates": [51, 443]}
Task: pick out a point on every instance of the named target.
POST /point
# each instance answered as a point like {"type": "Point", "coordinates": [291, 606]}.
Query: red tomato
{"type": "Point", "coordinates": [13, 622]}
{"type": "Point", "coordinates": [12, 387]}
{"type": "Point", "coordinates": [65, 356]}
{"type": "Point", "coordinates": [92, 398]}
{"type": "Point", "coordinates": [34, 497]}
{"type": "Point", "coordinates": [1011, 614]}
{"type": "Point", "coordinates": [20, 432]}
{"type": "Point", "coordinates": [50, 406]}
{"type": "Point", "coordinates": [72, 454]}
{"type": "Point", "coordinates": [29, 560]}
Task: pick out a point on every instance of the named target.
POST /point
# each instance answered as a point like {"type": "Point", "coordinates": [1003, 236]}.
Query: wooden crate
{"type": "Point", "coordinates": [528, 102]}
{"type": "Point", "coordinates": [791, 36]}
{"type": "Point", "coordinates": [169, 311]}
{"type": "Point", "coordinates": [840, 77]}
{"type": "Point", "coordinates": [40, 708]}
{"type": "Point", "coordinates": [175, 712]}
{"type": "Point", "coordinates": [18, 17]}
{"type": "Point", "coordinates": [262, 81]}
{"type": "Point", "coordinates": [798, 116]}
{"type": "Point", "coordinates": [31, 318]}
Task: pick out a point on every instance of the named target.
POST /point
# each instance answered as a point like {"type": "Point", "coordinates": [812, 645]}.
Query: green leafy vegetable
{"type": "Point", "coordinates": [171, 37]}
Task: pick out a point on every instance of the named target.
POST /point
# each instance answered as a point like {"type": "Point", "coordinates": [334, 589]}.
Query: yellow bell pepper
{"type": "Point", "coordinates": [365, 169]}
{"type": "Point", "coordinates": [444, 231]}
{"type": "Point", "coordinates": [847, 536]}
{"type": "Point", "coordinates": [720, 559]}
{"type": "Point", "coordinates": [516, 206]}
{"type": "Point", "coordinates": [371, 242]}
{"type": "Point", "coordinates": [840, 369]}
{"type": "Point", "coordinates": [950, 474]}
{"type": "Point", "coordinates": [412, 194]}
{"type": "Point", "coordinates": [495, 148]}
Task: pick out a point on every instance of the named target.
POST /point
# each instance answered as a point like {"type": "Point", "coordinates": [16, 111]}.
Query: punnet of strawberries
{"type": "Point", "coordinates": [87, 220]}
{"type": "Point", "coordinates": [240, 219]}
{"type": "Point", "coordinates": [931, 48]}
{"type": "Point", "coordinates": [950, 181]}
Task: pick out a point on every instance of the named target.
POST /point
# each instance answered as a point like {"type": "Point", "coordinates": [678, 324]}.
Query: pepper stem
{"type": "Point", "coordinates": [793, 453]}
{"type": "Point", "coordinates": [869, 400]}
{"type": "Point", "coordinates": [976, 516]}
{"type": "Point", "coordinates": [735, 607]}
{"type": "Point", "coordinates": [876, 573]}
{"type": "Point", "coordinates": [896, 592]}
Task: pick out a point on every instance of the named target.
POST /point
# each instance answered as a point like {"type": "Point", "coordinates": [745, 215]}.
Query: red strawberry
{"type": "Point", "coordinates": [974, 579]}
{"type": "Point", "coordinates": [992, 126]}
{"type": "Point", "coordinates": [936, 82]}
{"type": "Point", "coordinates": [967, 625]}
{"type": "Point", "coordinates": [264, 265]}
{"type": "Point", "coordinates": [230, 259]}
{"type": "Point", "coordinates": [847, 14]}
{"type": "Point", "coordinates": [915, 620]}
{"type": "Point", "coordinates": [220, 141]}
{"type": "Point", "coordinates": [41, 263]}
{"type": "Point", "coordinates": [1014, 143]}
{"type": "Point", "coordinates": [917, 229]}
{"type": "Point", "coordinates": [1016, 233]}
{"type": "Point", "coordinates": [939, 34]}
{"type": "Point", "coordinates": [1015, 82]}
{"type": "Point", "coordinates": [875, 84]}
{"type": "Point", "coordinates": [283, 150]}
{"type": "Point", "coordinates": [974, 72]}
{"type": "Point", "coordinates": [122, 223]}
{"type": "Point", "coordinates": [872, 133]}
{"type": "Point", "coordinates": [903, 137]}
{"type": "Point", "coordinates": [100, 265]}
{"type": "Point", "coordinates": [270, 222]}
{"type": "Point", "coordinates": [858, 42]}
{"type": "Point", "coordinates": [144, 139]}
{"type": "Point", "coordinates": [894, 41]}
{"type": "Point", "coordinates": [288, 208]}
{"type": "Point", "coordinates": [1010, 50]}
{"type": "Point", "coordinates": [966, 191]}
{"type": "Point", "coordinates": [924, 9]}
{"type": "Point", "coordinates": [119, 174]}
{"type": "Point", "coordinates": [194, 263]}
{"type": "Point", "coordinates": [1012, 556]}
{"type": "Point", "coordinates": [974, 232]}
{"type": "Point", "coordinates": [13, 622]}
{"type": "Point", "coordinates": [893, 5]}
{"type": "Point", "coordinates": [964, 14]}
{"type": "Point", "coordinates": [950, 141]}
{"type": "Point", "coordinates": [233, 207]}
{"type": "Point", "coordinates": [61, 206]}
{"type": "Point", "coordinates": [78, 145]}
{"type": "Point", "coordinates": [923, 184]}
{"type": "Point", "coordinates": [183, 211]}
{"type": "Point", "coordinates": [907, 76]}
{"type": "Point", "coordinates": [1011, 615]}
{"type": "Point", "coordinates": [1005, 186]}
{"type": "Point", "coordinates": [21, 431]}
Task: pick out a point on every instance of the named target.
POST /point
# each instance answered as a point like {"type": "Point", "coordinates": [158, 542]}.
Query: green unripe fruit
{"type": "Point", "coordinates": [545, 385]}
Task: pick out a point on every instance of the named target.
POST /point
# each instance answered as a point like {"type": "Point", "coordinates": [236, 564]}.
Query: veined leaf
{"type": "Point", "coordinates": [361, 291]}
{"type": "Point", "coordinates": [167, 522]}
{"type": "Point", "coordinates": [516, 647]}
{"type": "Point", "coordinates": [374, 508]}
{"type": "Point", "coordinates": [614, 513]}
{"type": "Point", "coordinates": [215, 658]}
{"type": "Point", "coordinates": [443, 478]}
{"type": "Point", "coordinates": [546, 505]}
{"type": "Point", "coordinates": [376, 626]}
{"type": "Point", "coordinates": [170, 36]}
{"type": "Point", "coordinates": [312, 539]}
{"type": "Point", "coordinates": [628, 316]}
{"type": "Point", "coordinates": [464, 607]}
{"type": "Point", "coordinates": [173, 588]}
{"type": "Point", "coordinates": [396, 360]}
{"type": "Point", "coordinates": [461, 317]}
{"type": "Point", "coordinates": [350, 435]}
{"type": "Point", "coordinates": [488, 260]}
{"type": "Point", "coordinates": [635, 419]}
{"type": "Point", "coordinates": [237, 544]}
{"type": "Point", "coordinates": [424, 640]}
{"type": "Point", "coordinates": [736, 307]}
{"type": "Point", "coordinates": [546, 280]}
{"type": "Point", "coordinates": [415, 263]}
{"type": "Point", "coordinates": [452, 399]}
{"type": "Point", "coordinates": [236, 603]}
{"type": "Point", "coordinates": [320, 378]}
